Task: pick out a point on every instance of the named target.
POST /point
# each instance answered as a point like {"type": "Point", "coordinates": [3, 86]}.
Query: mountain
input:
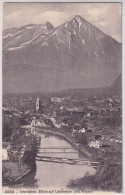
{"type": "Point", "coordinates": [75, 54]}
{"type": "Point", "coordinates": [116, 86]}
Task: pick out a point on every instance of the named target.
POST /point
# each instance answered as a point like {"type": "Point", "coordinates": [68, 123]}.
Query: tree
{"type": "Point", "coordinates": [82, 139]}
{"type": "Point", "coordinates": [6, 132]}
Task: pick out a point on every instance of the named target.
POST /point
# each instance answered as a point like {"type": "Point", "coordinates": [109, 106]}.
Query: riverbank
{"type": "Point", "coordinates": [55, 158]}
{"type": "Point", "coordinates": [107, 178]}
{"type": "Point", "coordinates": [20, 162]}
{"type": "Point", "coordinates": [82, 150]}
{"type": "Point", "coordinates": [74, 145]}
{"type": "Point", "coordinates": [11, 172]}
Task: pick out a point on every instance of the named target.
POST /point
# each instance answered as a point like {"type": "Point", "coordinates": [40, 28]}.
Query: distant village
{"type": "Point", "coordinates": [98, 120]}
{"type": "Point", "coordinates": [93, 125]}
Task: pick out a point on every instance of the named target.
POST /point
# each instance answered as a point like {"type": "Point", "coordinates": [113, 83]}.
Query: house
{"type": "Point", "coordinates": [117, 100]}
{"type": "Point", "coordinates": [41, 124]}
{"type": "Point", "coordinates": [56, 99]}
{"type": "Point", "coordinates": [103, 110]}
{"type": "Point", "coordinates": [64, 124]}
{"type": "Point", "coordinates": [76, 109]}
{"type": "Point", "coordinates": [77, 125]}
{"type": "Point", "coordinates": [88, 114]}
{"type": "Point", "coordinates": [52, 119]}
{"type": "Point", "coordinates": [95, 144]}
{"type": "Point", "coordinates": [74, 131]}
{"type": "Point", "coordinates": [72, 109]}
{"type": "Point", "coordinates": [118, 141]}
{"type": "Point", "coordinates": [110, 100]}
{"type": "Point", "coordinates": [58, 125]}
{"type": "Point", "coordinates": [27, 112]}
{"type": "Point", "coordinates": [82, 130]}
{"type": "Point", "coordinates": [27, 132]}
{"type": "Point", "coordinates": [111, 140]}
{"type": "Point", "coordinates": [33, 131]}
{"type": "Point", "coordinates": [5, 154]}
{"type": "Point", "coordinates": [22, 152]}
{"type": "Point", "coordinates": [37, 123]}
{"type": "Point", "coordinates": [33, 123]}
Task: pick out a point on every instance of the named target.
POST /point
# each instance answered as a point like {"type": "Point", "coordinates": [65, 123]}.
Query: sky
{"type": "Point", "coordinates": [105, 16]}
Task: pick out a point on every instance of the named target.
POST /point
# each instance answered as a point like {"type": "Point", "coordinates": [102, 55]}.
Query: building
{"type": "Point", "coordinates": [82, 130]}
{"type": "Point", "coordinates": [33, 131]}
{"type": "Point", "coordinates": [88, 114]}
{"type": "Point", "coordinates": [110, 100]}
{"type": "Point", "coordinates": [118, 141]}
{"type": "Point", "coordinates": [38, 104]}
{"type": "Point", "coordinates": [58, 125]}
{"type": "Point", "coordinates": [34, 123]}
{"type": "Point", "coordinates": [95, 144]}
{"type": "Point", "coordinates": [37, 123]}
{"type": "Point", "coordinates": [5, 154]}
{"type": "Point", "coordinates": [56, 99]}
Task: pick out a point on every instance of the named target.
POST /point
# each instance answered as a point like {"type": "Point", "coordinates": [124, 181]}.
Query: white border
{"type": "Point", "coordinates": [64, 1]}
{"type": "Point", "coordinates": [123, 69]}
{"type": "Point", "coordinates": [123, 91]}
{"type": "Point", "coordinates": [0, 96]}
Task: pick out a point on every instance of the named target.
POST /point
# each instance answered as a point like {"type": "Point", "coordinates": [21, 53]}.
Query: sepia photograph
{"type": "Point", "coordinates": [61, 97]}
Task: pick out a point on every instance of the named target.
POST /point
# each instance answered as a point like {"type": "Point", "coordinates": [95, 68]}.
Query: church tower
{"type": "Point", "coordinates": [38, 104]}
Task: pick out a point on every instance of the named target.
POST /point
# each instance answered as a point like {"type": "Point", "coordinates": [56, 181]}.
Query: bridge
{"type": "Point", "coordinates": [57, 150]}
{"type": "Point", "coordinates": [66, 161]}
{"type": "Point", "coordinates": [53, 159]}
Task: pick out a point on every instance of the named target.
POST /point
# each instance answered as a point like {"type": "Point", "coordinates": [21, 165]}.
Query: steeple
{"type": "Point", "coordinates": [38, 104]}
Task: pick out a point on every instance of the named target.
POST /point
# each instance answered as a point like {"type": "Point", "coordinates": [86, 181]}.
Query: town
{"type": "Point", "coordinates": [93, 123]}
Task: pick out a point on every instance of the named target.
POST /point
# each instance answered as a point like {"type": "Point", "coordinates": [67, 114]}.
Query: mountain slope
{"type": "Point", "coordinates": [76, 54]}
{"type": "Point", "coordinates": [116, 87]}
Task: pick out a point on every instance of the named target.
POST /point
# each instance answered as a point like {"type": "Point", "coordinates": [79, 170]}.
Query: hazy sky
{"type": "Point", "coordinates": [106, 16]}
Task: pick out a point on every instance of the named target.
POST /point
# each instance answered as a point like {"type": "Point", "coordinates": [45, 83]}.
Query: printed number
{"type": "Point", "coordinates": [9, 191]}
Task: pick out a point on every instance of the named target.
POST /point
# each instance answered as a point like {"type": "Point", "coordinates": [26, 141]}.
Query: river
{"type": "Point", "coordinates": [50, 175]}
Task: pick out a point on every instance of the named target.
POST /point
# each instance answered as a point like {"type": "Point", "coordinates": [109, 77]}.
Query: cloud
{"type": "Point", "coordinates": [14, 18]}
{"type": "Point", "coordinates": [106, 17]}
{"type": "Point", "coordinates": [56, 18]}
{"type": "Point", "coordinates": [17, 19]}
{"type": "Point", "coordinates": [13, 15]}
